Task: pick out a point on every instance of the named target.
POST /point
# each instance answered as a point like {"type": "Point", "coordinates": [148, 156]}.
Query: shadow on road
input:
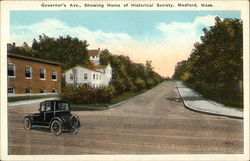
{"type": "Point", "coordinates": [174, 99]}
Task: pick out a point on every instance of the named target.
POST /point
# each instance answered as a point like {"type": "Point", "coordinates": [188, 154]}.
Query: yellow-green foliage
{"type": "Point", "coordinates": [84, 94]}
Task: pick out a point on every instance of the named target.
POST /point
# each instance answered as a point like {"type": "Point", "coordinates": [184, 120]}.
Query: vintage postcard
{"type": "Point", "coordinates": [125, 80]}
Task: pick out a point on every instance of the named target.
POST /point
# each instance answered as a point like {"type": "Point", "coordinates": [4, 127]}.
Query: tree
{"type": "Point", "coordinates": [66, 50]}
{"type": "Point", "coordinates": [218, 57]}
{"type": "Point", "coordinates": [129, 76]}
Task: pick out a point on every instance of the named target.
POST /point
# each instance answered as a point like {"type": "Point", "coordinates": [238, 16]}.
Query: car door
{"type": "Point", "coordinates": [49, 113]}
{"type": "Point", "coordinates": [39, 117]}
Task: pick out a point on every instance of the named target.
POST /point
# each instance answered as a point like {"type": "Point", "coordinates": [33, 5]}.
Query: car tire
{"type": "Point", "coordinates": [74, 130]}
{"type": "Point", "coordinates": [56, 128]}
{"type": "Point", "coordinates": [74, 124]}
{"type": "Point", "coordinates": [27, 124]}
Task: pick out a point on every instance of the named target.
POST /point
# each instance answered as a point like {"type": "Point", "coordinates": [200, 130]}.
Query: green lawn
{"type": "Point", "coordinates": [117, 99]}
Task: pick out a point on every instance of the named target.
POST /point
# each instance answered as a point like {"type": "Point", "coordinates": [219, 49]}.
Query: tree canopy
{"type": "Point", "coordinates": [66, 50]}
{"type": "Point", "coordinates": [218, 57]}
{"type": "Point", "coordinates": [130, 76]}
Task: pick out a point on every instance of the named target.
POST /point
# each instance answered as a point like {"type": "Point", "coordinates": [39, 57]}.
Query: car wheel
{"type": "Point", "coordinates": [56, 128]}
{"type": "Point", "coordinates": [74, 124]}
{"type": "Point", "coordinates": [27, 124]}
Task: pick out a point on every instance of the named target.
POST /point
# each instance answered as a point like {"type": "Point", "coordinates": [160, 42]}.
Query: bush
{"type": "Point", "coordinates": [140, 83]}
{"type": "Point", "coordinates": [85, 94]}
{"type": "Point", "coordinates": [105, 94]}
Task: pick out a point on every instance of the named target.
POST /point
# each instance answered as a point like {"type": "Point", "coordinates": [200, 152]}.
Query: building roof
{"type": "Point", "coordinates": [83, 67]}
{"type": "Point", "coordinates": [93, 52]}
{"type": "Point", "coordinates": [94, 70]}
{"type": "Point", "coordinates": [100, 66]}
{"type": "Point", "coordinates": [32, 59]}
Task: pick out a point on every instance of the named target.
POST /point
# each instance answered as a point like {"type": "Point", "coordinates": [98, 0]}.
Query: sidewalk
{"type": "Point", "coordinates": [196, 102]}
{"type": "Point", "coordinates": [30, 101]}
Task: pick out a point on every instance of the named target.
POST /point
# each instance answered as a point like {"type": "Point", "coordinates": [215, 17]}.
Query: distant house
{"type": "Point", "coordinates": [96, 76]}
{"type": "Point", "coordinates": [31, 76]}
{"type": "Point", "coordinates": [94, 56]}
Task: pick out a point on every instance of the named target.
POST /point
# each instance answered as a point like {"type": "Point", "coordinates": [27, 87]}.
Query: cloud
{"type": "Point", "coordinates": [185, 31]}
{"type": "Point", "coordinates": [176, 44]}
{"type": "Point", "coordinates": [55, 28]}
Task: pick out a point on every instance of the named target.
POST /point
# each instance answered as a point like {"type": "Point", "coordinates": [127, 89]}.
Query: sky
{"type": "Point", "coordinates": [164, 37]}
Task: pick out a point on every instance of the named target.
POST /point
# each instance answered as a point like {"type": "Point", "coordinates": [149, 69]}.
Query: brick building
{"type": "Point", "coordinates": [31, 76]}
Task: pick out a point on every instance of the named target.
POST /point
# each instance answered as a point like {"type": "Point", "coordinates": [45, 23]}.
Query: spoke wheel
{"type": "Point", "coordinates": [74, 124]}
{"type": "Point", "coordinates": [27, 124]}
{"type": "Point", "coordinates": [56, 128]}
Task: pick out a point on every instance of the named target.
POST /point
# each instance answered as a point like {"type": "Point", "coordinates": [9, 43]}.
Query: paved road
{"type": "Point", "coordinates": [153, 123]}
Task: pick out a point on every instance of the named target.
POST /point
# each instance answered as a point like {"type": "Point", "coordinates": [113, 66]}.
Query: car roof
{"type": "Point", "coordinates": [55, 101]}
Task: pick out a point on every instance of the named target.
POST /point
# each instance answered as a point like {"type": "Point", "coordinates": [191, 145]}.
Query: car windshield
{"type": "Point", "coordinates": [62, 106]}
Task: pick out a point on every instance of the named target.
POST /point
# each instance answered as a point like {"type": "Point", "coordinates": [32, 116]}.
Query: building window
{"type": "Point", "coordinates": [53, 90]}
{"type": "Point", "coordinates": [71, 76]}
{"type": "Point", "coordinates": [11, 90]}
{"type": "Point", "coordinates": [28, 90]}
{"type": "Point", "coordinates": [54, 75]}
{"type": "Point", "coordinates": [100, 77]}
{"type": "Point", "coordinates": [42, 74]}
{"type": "Point", "coordinates": [11, 70]}
{"type": "Point", "coordinates": [42, 90]}
{"type": "Point", "coordinates": [85, 76]}
{"type": "Point", "coordinates": [28, 72]}
{"type": "Point", "coordinates": [94, 76]}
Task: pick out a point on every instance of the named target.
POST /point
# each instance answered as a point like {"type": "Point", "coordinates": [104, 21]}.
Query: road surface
{"type": "Point", "coordinates": [153, 123]}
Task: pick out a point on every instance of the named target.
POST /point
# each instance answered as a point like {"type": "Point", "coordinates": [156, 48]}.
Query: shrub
{"type": "Point", "coordinates": [84, 94]}
{"type": "Point", "coordinates": [105, 94]}
{"type": "Point", "coordinates": [140, 83]}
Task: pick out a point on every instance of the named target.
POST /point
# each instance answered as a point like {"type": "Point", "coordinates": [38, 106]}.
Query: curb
{"type": "Point", "coordinates": [205, 112]}
{"type": "Point", "coordinates": [116, 104]}
{"type": "Point", "coordinates": [101, 108]}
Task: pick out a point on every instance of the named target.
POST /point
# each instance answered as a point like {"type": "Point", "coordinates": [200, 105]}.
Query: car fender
{"type": "Point", "coordinates": [58, 119]}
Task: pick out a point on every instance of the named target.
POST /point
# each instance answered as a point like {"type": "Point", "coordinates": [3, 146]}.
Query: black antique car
{"type": "Point", "coordinates": [54, 115]}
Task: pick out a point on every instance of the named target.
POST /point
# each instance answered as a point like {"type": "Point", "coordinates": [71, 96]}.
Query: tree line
{"type": "Point", "coordinates": [215, 65]}
{"type": "Point", "coordinates": [218, 58]}
{"type": "Point", "coordinates": [130, 76]}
